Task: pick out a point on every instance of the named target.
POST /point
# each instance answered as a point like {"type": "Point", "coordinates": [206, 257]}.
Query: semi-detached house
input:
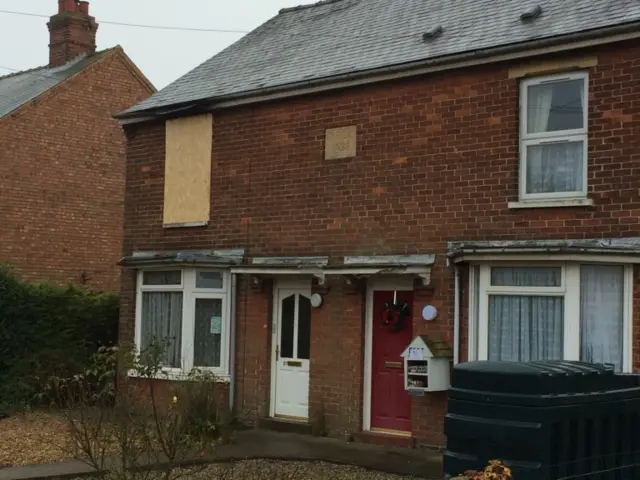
{"type": "Point", "coordinates": [480, 157]}
{"type": "Point", "coordinates": [62, 155]}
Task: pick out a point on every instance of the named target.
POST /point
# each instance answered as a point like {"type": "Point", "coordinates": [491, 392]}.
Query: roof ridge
{"type": "Point", "coordinates": [22, 72]}
{"type": "Point", "coordinates": [43, 67]}
{"type": "Point", "coordinates": [310, 5]}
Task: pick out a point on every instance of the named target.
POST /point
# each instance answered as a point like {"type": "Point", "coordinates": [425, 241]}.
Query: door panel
{"type": "Point", "coordinates": [293, 341]}
{"type": "Point", "coordinates": [390, 402]}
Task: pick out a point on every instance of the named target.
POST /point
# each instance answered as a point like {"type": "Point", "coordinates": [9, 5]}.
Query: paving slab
{"type": "Point", "coordinates": [253, 444]}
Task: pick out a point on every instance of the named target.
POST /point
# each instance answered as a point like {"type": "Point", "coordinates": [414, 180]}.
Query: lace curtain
{"type": "Point", "coordinates": [526, 327]}
{"type": "Point", "coordinates": [601, 314]}
{"type": "Point", "coordinates": [162, 321]}
{"type": "Point", "coordinates": [552, 167]}
{"type": "Point", "coordinates": [531, 327]}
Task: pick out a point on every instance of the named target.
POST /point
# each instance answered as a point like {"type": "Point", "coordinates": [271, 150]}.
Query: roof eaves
{"type": "Point", "coordinates": [204, 104]}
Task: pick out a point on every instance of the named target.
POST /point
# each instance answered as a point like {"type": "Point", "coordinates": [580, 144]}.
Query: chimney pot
{"type": "Point", "coordinates": [71, 35]}
{"type": "Point", "coordinates": [67, 6]}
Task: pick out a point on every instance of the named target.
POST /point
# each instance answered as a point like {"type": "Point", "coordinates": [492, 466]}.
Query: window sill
{"type": "Point", "coordinates": [555, 203]}
{"type": "Point", "coordinates": [185, 225]}
{"type": "Point", "coordinates": [178, 376]}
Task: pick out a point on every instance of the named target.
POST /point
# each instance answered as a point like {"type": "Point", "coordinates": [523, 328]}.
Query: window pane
{"type": "Point", "coordinates": [555, 167]}
{"type": "Point", "coordinates": [206, 279]}
{"type": "Point", "coordinates": [304, 327]}
{"type": "Point", "coordinates": [288, 311]}
{"type": "Point", "coordinates": [555, 106]}
{"type": "Point", "coordinates": [526, 276]}
{"type": "Point", "coordinates": [208, 332]}
{"type": "Point", "coordinates": [525, 328]}
{"type": "Point", "coordinates": [170, 277]}
{"type": "Point", "coordinates": [162, 322]}
{"type": "Point", "coordinates": [601, 314]}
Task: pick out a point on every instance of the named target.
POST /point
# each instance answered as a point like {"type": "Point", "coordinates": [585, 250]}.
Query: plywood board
{"type": "Point", "coordinates": [340, 143]}
{"type": "Point", "coordinates": [552, 66]}
{"type": "Point", "coordinates": [187, 181]}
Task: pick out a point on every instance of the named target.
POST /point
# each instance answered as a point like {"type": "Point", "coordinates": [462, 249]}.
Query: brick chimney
{"type": "Point", "coordinates": [72, 32]}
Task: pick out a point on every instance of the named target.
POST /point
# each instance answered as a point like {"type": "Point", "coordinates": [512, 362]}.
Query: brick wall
{"type": "Point", "coordinates": [62, 177]}
{"type": "Point", "coordinates": [337, 359]}
{"type": "Point", "coordinates": [254, 305]}
{"type": "Point", "coordinates": [437, 161]}
{"type": "Point", "coordinates": [71, 35]}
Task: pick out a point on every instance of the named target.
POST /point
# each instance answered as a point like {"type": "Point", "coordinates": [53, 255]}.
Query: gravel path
{"type": "Point", "coordinates": [31, 438]}
{"type": "Point", "coordinates": [278, 470]}
{"type": "Point", "coordinates": [41, 437]}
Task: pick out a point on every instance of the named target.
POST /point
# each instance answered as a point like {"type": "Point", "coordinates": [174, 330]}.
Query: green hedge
{"type": "Point", "coordinates": [48, 330]}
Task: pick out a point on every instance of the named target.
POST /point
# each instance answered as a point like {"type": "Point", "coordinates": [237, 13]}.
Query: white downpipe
{"type": "Point", "coordinates": [456, 315]}
{"type": "Point", "coordinates": [232, 349]}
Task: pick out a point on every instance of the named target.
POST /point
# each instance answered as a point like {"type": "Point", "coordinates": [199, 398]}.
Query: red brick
{"type": "Point", "coordinates": [459, 133]}
{"type": "Point", "coordinates": [62, 177]}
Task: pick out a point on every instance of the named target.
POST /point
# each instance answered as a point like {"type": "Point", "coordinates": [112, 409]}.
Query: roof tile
{"type": "Point", "coordinates": [19, 88]}
{"type": "Point", "coordinates": [336, 37]}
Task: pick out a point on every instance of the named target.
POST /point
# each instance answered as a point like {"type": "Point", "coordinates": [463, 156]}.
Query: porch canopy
{"type": "Point", "coordinates": [351, 266]}
{"type": "Point", "coordinates": [205, 258]}
{"type": "Point", "coordinates": [623, 250]}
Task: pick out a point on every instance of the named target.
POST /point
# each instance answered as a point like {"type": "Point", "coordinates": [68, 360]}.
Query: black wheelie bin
{"type": "Point", "coordinates": [547, 420]}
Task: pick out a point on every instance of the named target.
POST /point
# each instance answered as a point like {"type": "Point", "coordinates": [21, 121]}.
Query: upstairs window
{"type": "Point", "coordinates": [553, 137]}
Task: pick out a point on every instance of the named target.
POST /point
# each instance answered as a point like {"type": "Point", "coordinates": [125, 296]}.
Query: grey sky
{"type": "Point", "coordinates": [161, 54]}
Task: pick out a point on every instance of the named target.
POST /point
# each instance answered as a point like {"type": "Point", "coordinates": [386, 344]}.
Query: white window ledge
{"type": "Point", "coordinates": [177, 376]}
{"type": "Point", "coordinates": [186, 225]}
{"type": "Point", "coordinates": [555, 203]}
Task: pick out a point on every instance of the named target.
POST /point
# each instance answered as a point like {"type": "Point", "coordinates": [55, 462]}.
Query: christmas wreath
{"type": "Point", "coordinates": [394, 315]}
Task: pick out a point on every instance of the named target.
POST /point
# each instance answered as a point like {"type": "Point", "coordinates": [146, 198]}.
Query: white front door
{"type": "Point", "coordinates": [292, 343]}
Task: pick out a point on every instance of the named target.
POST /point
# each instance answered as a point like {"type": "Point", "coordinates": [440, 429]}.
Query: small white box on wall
{"type": "Point", "coordinates": [427, 365]}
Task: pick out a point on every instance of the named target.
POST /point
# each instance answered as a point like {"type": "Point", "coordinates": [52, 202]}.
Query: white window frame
{"type": "Point", "coordinates": [528, 139]}
{"type": "Point", "coordinates": [478, 346]}
{"type": "Point", "coordinates": [189, 296]}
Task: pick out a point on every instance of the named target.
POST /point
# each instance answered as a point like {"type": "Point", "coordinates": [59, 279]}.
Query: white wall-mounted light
{"type": "Point", "coordinates": [429, 313]}
{"type": "Point", "coordinates": [316, 300]}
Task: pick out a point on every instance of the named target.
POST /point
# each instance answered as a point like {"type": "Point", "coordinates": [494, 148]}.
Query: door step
{"type": "Point", "coordinates": [285, 425]}
{"type": "Point", "coordinates": [387, 439]}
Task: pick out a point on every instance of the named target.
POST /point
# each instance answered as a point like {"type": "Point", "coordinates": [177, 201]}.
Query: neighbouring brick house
{"type": "Point", "coordinates": [62, 156]}
{"type": "Point", "coordinates": [479, 157]}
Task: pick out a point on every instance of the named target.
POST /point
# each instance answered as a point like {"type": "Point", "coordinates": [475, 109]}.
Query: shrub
{"type": "Point", "coordinates": [494, 471]}
{"type": "Point", "coordinates": [46, 331]}
{"type": "Point", "coordinates": [124, 433]}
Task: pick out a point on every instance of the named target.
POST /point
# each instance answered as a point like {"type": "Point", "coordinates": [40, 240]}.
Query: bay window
{"type": "Point", "coordinates": [188, 310]}
{"type": "Point", "coordinates": [567, 311]}
{"type": "Point", "coordinates": [553, 137]}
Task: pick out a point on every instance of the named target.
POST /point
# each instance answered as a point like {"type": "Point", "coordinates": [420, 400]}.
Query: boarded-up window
{"type": "Point", "coordinates": [340, 143]}
{"type": "Point", "coordinates": [187, 171]}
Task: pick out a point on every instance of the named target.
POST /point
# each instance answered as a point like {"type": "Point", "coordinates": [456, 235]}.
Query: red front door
{"type": "Point", "coordinates": [390, 402]}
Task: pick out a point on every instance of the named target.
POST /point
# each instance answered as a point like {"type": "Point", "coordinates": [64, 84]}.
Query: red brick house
{"type": "Point", "coordinates": [62, 156]}
{"type": "Point", "coordinates": [403, 152]}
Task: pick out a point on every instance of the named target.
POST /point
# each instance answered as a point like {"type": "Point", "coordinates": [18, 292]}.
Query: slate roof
{"type": "Point", "coordinates": [337, 37]}
{"type": "Point", "coordinates": [21, 87]}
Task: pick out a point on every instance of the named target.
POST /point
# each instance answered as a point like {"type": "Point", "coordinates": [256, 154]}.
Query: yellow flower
{"type": "Point", "coordinates": [175, 399]}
